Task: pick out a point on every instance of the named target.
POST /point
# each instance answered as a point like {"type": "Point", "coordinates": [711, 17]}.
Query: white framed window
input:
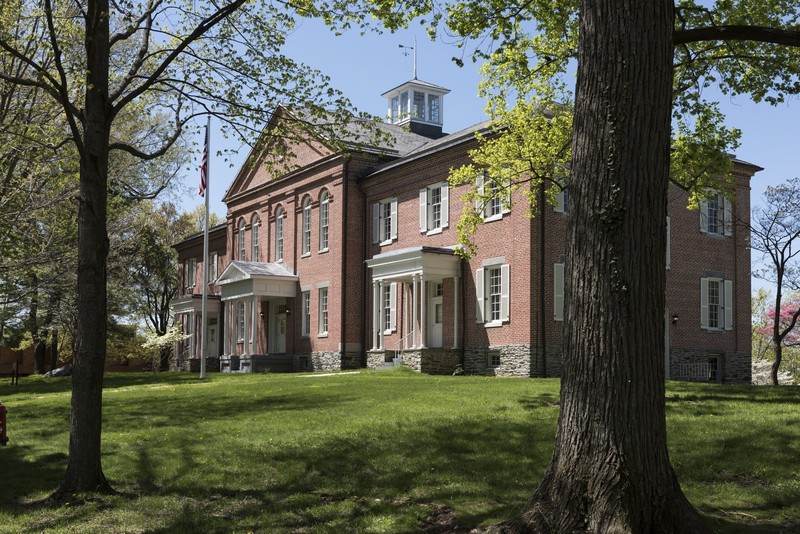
{"type": "Point", "coordinates": [433, 109]}
{"type": "Point", "coordinates": [418, 110]}
{"type": "Point", "coordinates": [389, 300]}
{"type": "Point", "coordinates": [715, 215]}
{"type": "Point", "coordinates": [395, 109]}
{"type": "Point", "coordinates": [279, 234]}
{"type": "Point", "coordinates": [497, 201]}
{"type": "Point", "coordinates": [323, 311]}
{"type": "Point", "coordinates": [189, 273]}
{"type": "Point", "coordinates": [558, 291]}
{"type": "Point", "coordinates": [305, 300]}
{"type": "Point", "coordinates": [306, 226]}
{"type": "Point", "coordinates": [384, 221]}
{"type": "Point", "coordinates": [240, 255]}
{"type": "Point", "coordinates": [240, 322]}
{"type": "Point", "coordinates": [492, 288]}
{"type": "Point", "coordinates": [493, 359]}
{"type": "Point", "coordinates": [404, 108]}
{"type": "Point", "coordinates": [254, 238]}
{"type": "Point", "coordinates": [212, 266]}
{"type": "Point", "coordinates": [716, 303]}
{"type": "Point", "coordinates": [434, 208]}
{"type": "Point", "coordinates": [324, 216]}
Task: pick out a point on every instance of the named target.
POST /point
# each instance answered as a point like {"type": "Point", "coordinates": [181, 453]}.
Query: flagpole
{"type": "Point", "coordinates": [204, 305]}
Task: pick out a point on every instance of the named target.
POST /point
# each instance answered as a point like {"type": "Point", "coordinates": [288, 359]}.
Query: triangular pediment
{"type": "Point", "coordinates": [286, 145]}
{"type": "Point", "coordinates": [237, 271]}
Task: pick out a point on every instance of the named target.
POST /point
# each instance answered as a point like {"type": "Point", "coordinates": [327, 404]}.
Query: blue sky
{"type": "Point", "coordinates": [363, 67]}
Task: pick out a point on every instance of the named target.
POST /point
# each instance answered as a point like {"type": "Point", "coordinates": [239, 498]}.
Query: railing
{"type": "Point", "coordinates": [693, 372]}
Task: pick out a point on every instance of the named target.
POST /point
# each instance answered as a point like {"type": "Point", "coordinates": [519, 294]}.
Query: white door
{"type": "Point", "coordinates": [212, 350]}
{"type": "Point", "coordinates": [435, 311]}
{"type": "Point", "coordinates": [277, 329]}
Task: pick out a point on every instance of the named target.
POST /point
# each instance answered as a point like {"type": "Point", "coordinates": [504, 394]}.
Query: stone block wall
{"type": "Point", "coordinates": [732, 367]}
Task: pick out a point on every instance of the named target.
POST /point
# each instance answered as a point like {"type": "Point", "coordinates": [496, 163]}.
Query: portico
{"type": "Point", "coordinates": [416, 274]}
{"type": "Point", "coordinates": [245, 286]}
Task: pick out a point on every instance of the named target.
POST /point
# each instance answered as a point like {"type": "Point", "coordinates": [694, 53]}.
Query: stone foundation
{"type": "Point", "coordinates": [700, 366]}
{"type": "Point", "coordinates": [429, 361]}
{"type": "Point", "coordinates": [501, 360]}
{"type": "Point", "coordinates": [327, 361]}
{"type": "Point", "coordinates": [193, 365]}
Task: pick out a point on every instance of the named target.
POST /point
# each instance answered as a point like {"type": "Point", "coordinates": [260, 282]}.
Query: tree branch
{"type": "Point", "coordinates": [738, 33]}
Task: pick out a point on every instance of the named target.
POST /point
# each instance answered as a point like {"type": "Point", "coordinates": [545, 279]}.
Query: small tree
{"type": "Point", "coordinates": [775, 232]}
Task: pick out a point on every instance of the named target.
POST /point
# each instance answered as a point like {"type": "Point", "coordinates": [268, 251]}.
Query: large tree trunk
{"type": "Point", "coordinates": [84, 472]}
{"type": "Point", "coordinates": [610, 470]}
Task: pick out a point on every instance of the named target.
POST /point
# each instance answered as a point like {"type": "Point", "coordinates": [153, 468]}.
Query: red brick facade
{"type": "Point", "coordinates": [440, 331]}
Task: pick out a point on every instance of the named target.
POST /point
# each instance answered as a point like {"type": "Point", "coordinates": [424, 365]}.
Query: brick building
{"type": "Point", "coordinates": [348, 260]}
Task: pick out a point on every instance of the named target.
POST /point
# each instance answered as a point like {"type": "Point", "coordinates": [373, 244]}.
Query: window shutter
{"type": "Point", "coordinates": [394, 218]}
{"type": "Point", "coordinates": [505, 283]}
{"type": "Point", "coordinates": [727, 216]}
{"type": "Point", "coordinates": [704, 303]}
{"type": "Point", "coordinates": [669, 259]}
{"type": "Point", "coordinates": [704, 216]}
{"type": "Point", "coordinates": [558, 291]}
{"type": "Point", "coordinates": [479, 201]}
{"type": "Point", "coordinates": [376, 222]}
{"type": "Point", "coordinates": [479, 296]}
{"type": "Point", "coordinates": [393, 306]}
{"type": "Point", "coordinates": [445, 204]}
{"type": "Point", "coordinates": [728, 304]}
{"type": "Point", "coordinates": [505, 205]}
{"type": "Point", "coordinates": [559, 207]}
{"type": "Point", "coordinates": [423, 210]}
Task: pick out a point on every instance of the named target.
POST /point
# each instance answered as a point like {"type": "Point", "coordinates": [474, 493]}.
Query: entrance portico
{"type": "Point", "coordinates": [418, 273]}
{"type": "Point", "coordinates": [245, 285]}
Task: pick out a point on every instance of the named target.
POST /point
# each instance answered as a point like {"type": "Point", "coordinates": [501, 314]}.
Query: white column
{"type": "Point", "coordinates": [230, 319]}
{"type": "Point", "coordinates": [374, 315]}
{"type": "Point", "coordinates": [223, 326]}
{"type": "Point", "coordinates": [246, 344]}
{"type": "Point", "coordinates": [193, 352]}
{"type": "Point", "coordinates": [381, 315]}
{"type": "Point", "coordinates": [423, 322]}
{"type": "Point", "coordinates": [456, 287]}
{"type": "Point", "coordinates": [414, 305]}
{"type": "Point", "coordinates": [406, 313]}
{"type": "Point", "coordinates": [254, 333]}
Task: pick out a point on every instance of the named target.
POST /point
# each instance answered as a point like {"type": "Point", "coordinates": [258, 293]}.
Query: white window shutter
{"type": "Point", "coordinates": [423, 210]}
{"type": "Point", "coordinates": [728, 304]}
{"type": "Point", "coordinates": [445, 204]}
{"type": "Point", "coordinates": [559, 207]}
{"type": "Point", "coordinates": [704, 216]}
{"type": "Point", "coordinates": [394, 218]}
{"type": "Point", "coordinates": [727, 216]}
{"type": "Point", "coordinates": [704, 303]}
{"type": "Point", "coordinates": [376, 222]}
{"type": "Point", "coordinates": [479, 296]}
{"type": "Point", "coordinates": [479, 186]}
{"type": "Point", "coordinates": [505, 205]}
{"type": "Point", "coordinates": [505, 292]}
{"type": "Point", "coordinates": [669, 254]}
{"type": "Point", "coordinates": [393, 306]}
{"type": "Point", "coordinates": [558, 291]}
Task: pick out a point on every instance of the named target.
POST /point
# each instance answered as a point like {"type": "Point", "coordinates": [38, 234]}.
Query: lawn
{"type": "Point", "coordinates": [366, 452]}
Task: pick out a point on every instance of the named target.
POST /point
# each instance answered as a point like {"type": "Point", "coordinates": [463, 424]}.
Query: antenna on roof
{"type": "Point", "coordinates": [405, 53]}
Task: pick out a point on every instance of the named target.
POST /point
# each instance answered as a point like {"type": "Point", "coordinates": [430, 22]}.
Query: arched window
{"type": "Point", "coordinates": [306, 226]}
{"type": "Point", "coordinates": [323, 221]}
{"type": "Point", "coordinates": [279, 234]}
{"type": "Point", "coordinates": [240, 256]}
{"type": "Point", "coordinates": [254, 238]}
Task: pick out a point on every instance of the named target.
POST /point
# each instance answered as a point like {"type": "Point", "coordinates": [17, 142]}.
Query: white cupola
{"type": "Point", "coordinates": [419, 104]}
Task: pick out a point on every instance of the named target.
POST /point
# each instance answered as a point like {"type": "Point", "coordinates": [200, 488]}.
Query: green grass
{"type": "Point", "coordinates": [369, 452]}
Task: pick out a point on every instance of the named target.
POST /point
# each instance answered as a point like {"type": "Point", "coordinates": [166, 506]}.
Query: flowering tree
{"type": "Point", "coordinates": [775, 232]}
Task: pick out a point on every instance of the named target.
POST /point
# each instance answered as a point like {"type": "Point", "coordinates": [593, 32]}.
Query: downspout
{"type": "Point", "coordinates": [342, 315]}
{"type": "Point", "coordinates": [365, 239]}
{"type": "Point", "coordinates": [542, 263]}
{"type": "Point", "coordinates": [463, 315]}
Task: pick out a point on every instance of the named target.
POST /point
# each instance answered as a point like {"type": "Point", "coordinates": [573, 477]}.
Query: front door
{"type": "Point", "coordinates": [435, 311]}
{"type": "Point", "coordinates": [212, 350]}
{"type": "Point", "coordinates": [277, 330]}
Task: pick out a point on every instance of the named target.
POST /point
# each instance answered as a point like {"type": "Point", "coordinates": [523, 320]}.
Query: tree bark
{"type": "Point", "coordinates": [84, 472]}
{"type": "Point", "coordinates": [610, 470]}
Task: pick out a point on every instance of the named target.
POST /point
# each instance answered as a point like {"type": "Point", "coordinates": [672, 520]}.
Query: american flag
{"type": "Point", "coordinates": [203, 168]}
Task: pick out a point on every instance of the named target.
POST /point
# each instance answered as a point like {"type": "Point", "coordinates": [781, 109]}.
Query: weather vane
{"type": "Point", "coordinates": [405, 53]}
